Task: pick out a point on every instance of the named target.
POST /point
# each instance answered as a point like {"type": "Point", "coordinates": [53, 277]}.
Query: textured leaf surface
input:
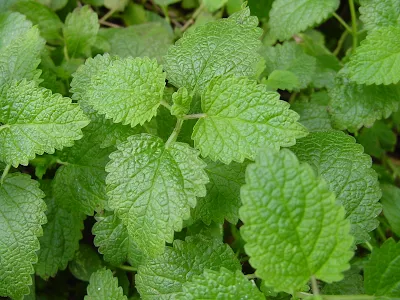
{"type": "Point", "coordinates": [114, 242]}
{"type": "Point", "coordinates": [288, 17]}
{"type": "Point", "coordinates": [314, 112]}
{"type": "Point", "coordinates": [292, 225]}
{"type": "Point", "coordinates": [152, 188]}
{"type": "Point", "coordinates": [290, 57]}
{"type": "Point", "coordinates": [162, 277]}
{"type": "Point", "coordinates": [80, 30]}
{"type": "Point", "coordinates": [181, 102]}
{"type": "Point", "coordinates": [20, 48]}
{"type": "Point", "coordinates": [22, 214]}
{"type": "Point", "coordinates": [381, 273]}
{"type": "Point", "coordinates": [377, 59]}
{"type": "Point", "coordinates": [352, 284]}
{"type": "Point", "coordinates": [391, 206]}
{"type": "Point", "coordinates": [226, 46]}
{"type": "Point", "coordinates": [353, 106]}
{"type": "Point", "coordinates": [223, 193]}
{"type": "Point", "coordinates": [104, 286]}
{"type": "Point", "coordinates": [35, 121]}
{"type": "Point", "coordinates": [61, 235]}
{"type": "Point", "coordinates": [341, 162]}
{"type": "Point", "coordinates": [222, 284]}
{"type": "Point", "coordinates": [379, 13]}
{"type": "Point", "coordinates": [242, 117]}
{"type": "Point", "coordinates": [129, 90]}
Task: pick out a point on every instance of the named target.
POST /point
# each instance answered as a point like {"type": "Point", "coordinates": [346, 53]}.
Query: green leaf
{"type": "Point", "coordinates": [114, 242]}
{"type": "Point", "coordinates": [377, 59]}
{"type": "Point", "coordinates": [314, 112]}
{"type": "Point", "coordinates": [378, 139]}
{"type": "Point", "coordinates": [290, 57]}
{"type": "Point", "coordinates": [292, 225]}
{"type": "Point", "coordinates": [213, 284]}
{"type": "Point", "coordinates": [181, 102]}
{"type": "Point", "coordinates": [162, 277]}
{"type": "Point", "coordinates": [80, 30]}
{"type": "Point", "coordinates": [20, 48]}
{"type": "Point", "coordinates": [61, 235]}
{"type": "Point", "coordinates": [104, 286]}
{"type": "Point", "coordinates": [260, 8]}
{"type": "Point", "coordinates": [353, 180]}
{"type": "Point", "coordinates": [35, 121]}
{"type": "Point", "coordinates": [213, 5]}
{"type": "Point", "coordinates": [226, 46]}
{"type": "Point", "coordinates": [381, 275]}
{"type": "Point", "coordinates": [127, 90]}
{"type": "Point", "coordinates": [152, 188]}
{"type": "Point", "coordinates": [223, 193]}
{"type": "Point", "coordinates": [354, 106]}
{"type": "Point", "coordinates": [54, 4]}
{"type": "Point", "coordinates": [283, 80]}
{"type": "Point", "coordinates": [115, 4]}
{"type": "Point", "coordinates": [379, 13]}
{"type": "Point", "coordinates": [242, 117]}
{"type": "Point", "coordinates": [149, 39]}
{"type": "Point", "coordinates": [391, 206]}
{"type": "Point", "coordinates": [352, 284]}
{"type": "Point", "coordinates": [85, 263]}
{"type": "Point", "coordinates": [288, 17]}
{"type": "Point", "coordinates": [48, 22]}
{"type": "Point", "coordinates": [22, 210]}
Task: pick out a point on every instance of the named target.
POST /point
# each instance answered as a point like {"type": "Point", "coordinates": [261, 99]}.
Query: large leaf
{"type": "Point", "coordinates": [379, 13]}
{"type": "Point", "coordinates": [22, 214]}
{"type": "Point", "coordinates": [242, 116]}
{"type": "Point", "coordinates": [292, 225]}
{"type": "Point", "coordinates": [152, 188]}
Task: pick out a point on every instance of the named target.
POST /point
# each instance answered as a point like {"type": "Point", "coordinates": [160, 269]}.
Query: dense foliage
{"type": "Point", "coordinates": [199, 149]}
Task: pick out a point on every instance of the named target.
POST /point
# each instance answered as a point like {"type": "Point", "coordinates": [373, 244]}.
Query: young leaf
{"type": "Point", "coordinates": [290, 57]}
{"type": "Point", "coordinates": [377, 59]}
{"type": "Point", "coordinates": [162, 277]}
{"type": "Point", "coordinates": [114, 242]}
{"type": "Point", "coordinates": [381, 275]}
{"type": "Point", "coordinates": [128, 90]}
{"type": "Point", "coordinates": [223, 193]}
{"type": "Point", "coordinates": [61, 235]}
{"type": "Point", "coordinates": [241, 117]}
{"type": "Point", "coordinates": [181, 102]}
{"type": "Point", "coordinates": [226, 46]}
{"type": "Point", "coordinates": [35, 121]}
{"type": "Point", "coordinates": [212, 284]}
{"type": "Point", "coordinates": [379, 13]}
{"type": "Point", "coordinates": [22, 210]}
{"type": "Point", "coordinates": [152, 188]}
{"type": "Point", "coordinates": [391, 206]}
{"type": "Point", "coordinates": [20, 48]}
{"type": "Point", "coordinates": [314, 112]}
{"type": "Point", "coordinates": [341, 162]}
{"type": "Point", "coordinates": [293, 228]}
{"type": "Point", "coordinates": [80, 30]}
{"type": "Point", "coordinates": [86, 262]}
{"type": "Point", "coordinates": [104, 286]}
{"type": "Point", "coordinates": [288, 17]}
{"type": "Point", "coordinates": [353, 106]}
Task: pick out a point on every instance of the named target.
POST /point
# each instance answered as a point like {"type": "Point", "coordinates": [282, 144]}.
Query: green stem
{"type": "Point", "coordinates": [251, 276]}
{"type": "Point", "coordinates": [165, 104]}
{"type": "Point", "coordinates": [66, 53]}
{"type": "Point", "coordinates": [165, 12]}
{"type": "Point", "coordinates": [193, 18]}
{"type": "Point", "coordinates": [314, 286]}
{"type": "Point", "coordinates": [107, 15]}
{"type": "Point", "coordinates": [340, 43]}
{"type": "Point", "coordinates": [341, 21]}
{"type": "Point", "coordinates": [194, 116]}
{"type": "Point", "coordinates": [353, 24]}
{"type": "Point", "coordinates": [292, 97]}
{"type": "Point", "coordinates": [5, 172]}
{"type": "Point", "coordinates": [369, 246]}
{"type": "Point", "coordinates": [381, 233]}
{"type": "Point", "coordinates": [127, 268]}
{"type": "Point", "coordinates": [174, 135]}
{"type": "Point", "coordinates": [338, 297]}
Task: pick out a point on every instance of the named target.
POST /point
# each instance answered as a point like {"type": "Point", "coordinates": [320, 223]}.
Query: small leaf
{"type": "Point", "coordinates": [85, 263]}
{"type": "Point", "coordinates": [391, 206]}
{"type": "Point", "coordinates": [104, 286]}
{"type": "Point", "coordinates": [152, 188]}
{"type": "Point", "coordinates": [181, 102]}
{"type": "Point", "coordinates": [213, 5]}
{"type": "Point", "coordinates": [381, 275]}
{"type": "Point", "coordinates": [241, 117]}
{"type": "Point", "coordinates": [288, 17]}
{"type": "Point", "coordinates": [22, 210]}
{"type": "Point", "coordinates": [213, 284]}
{"type": "Point", "coordinates": [162, 277]}
{"type": "Point", "coordinates": [292, 225]}
{"type": "Point", "coordinates": [36, 121]}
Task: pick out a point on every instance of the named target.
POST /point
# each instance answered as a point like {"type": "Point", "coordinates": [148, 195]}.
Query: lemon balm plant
{"type": "Point", "coordinates": [221, 152]}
